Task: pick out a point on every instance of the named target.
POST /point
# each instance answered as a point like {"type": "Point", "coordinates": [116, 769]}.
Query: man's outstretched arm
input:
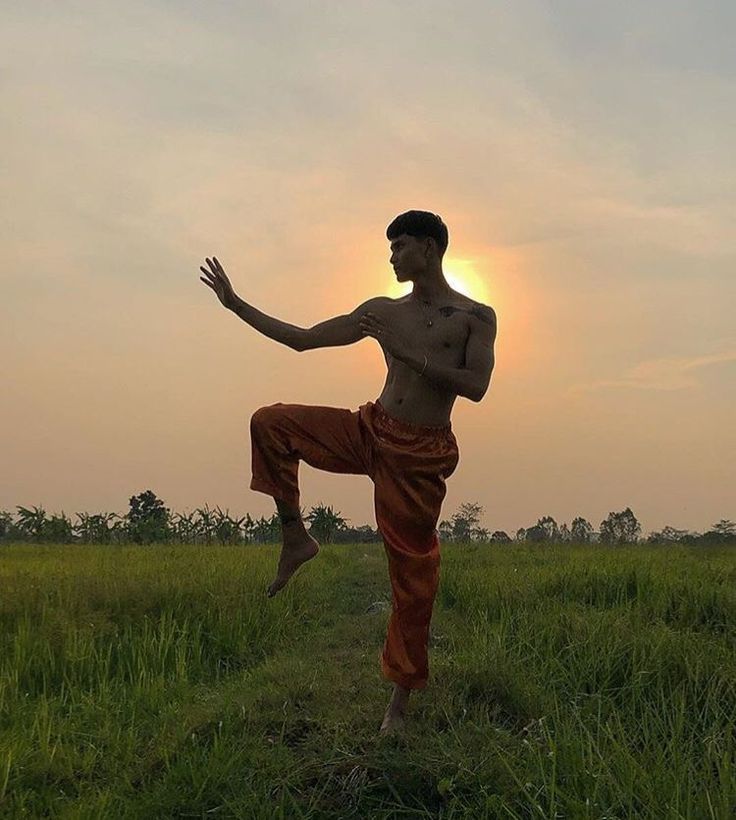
{"type": "Point", "coordinates": [341, 330]}
{"type": "Point", "coordinates": [216, 278]}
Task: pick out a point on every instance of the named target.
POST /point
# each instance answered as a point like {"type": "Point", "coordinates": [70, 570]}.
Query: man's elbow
{"type": "Point", "coordinates": [479, 391]}
{"type": "Point", "coordinates": [300, 340]}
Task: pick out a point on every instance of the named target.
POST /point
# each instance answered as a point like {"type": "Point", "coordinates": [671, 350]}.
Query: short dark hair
{"type": "Point", "coordinates": [420, 224]}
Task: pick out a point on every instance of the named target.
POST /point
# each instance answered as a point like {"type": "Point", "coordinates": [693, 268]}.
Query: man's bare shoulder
{"type": "Point", "coordinates": [375, 303]}
{"type": "Point", "coordinates": [471, 307]}
{"type": "Point", "coordinates": [485, 313]}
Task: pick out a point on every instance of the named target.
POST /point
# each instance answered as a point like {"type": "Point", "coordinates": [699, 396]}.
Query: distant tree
{"type": "Point", "coordinates": [520, 534]}
{"type": "Point", "coordinates": [500, 537]}
{"type": "Point", "coordinates": [725, 528]}
{"type": "Point", "coordinates": [620, 528]}
{"type": "Point", "coordinates": [267, 530]}
{"type": "Point", "coordinates": [248, 526]}
{"type": "Point", "coordinates": [720, 533]}
{"type": "Point", "coordinates": [206, 522]}
{"type": "Point", "coordinates": [34, 525]}
{"type": "Point", "coordinates": [445, 531]}
{"type": "Point", "coordinates": [564, 532]}
{"type": "Point", "coordinates": [184, 527]}
{"type": "Point", "coordinates": [460, 528]}
{"type": "Point", "coordinates": [363, 534]}
{"type": "Point", "coordinates": [227, 529]}
{"type": "Point", "coordinates": [366, 533]}
{"type": "Point", "coordinates": [465, 521]}
{"type": "Point", "coordinates": [667, 534]}
{"type": "Point", "coordinates": [118, 529]}
{"type": "Point", "coordinates": [58, 529]}
{"type": "Point", "coordinates": [536, 533]}
{"type": "Point", "coordinates": [551, 530]}
{"type": "Point", "coordinates": [545, 529]}
{"type": "Point", "coordinates": [148, 520]}
{"type": "Point", "coordinates": [31, 522]}
{"type": "Point", "coordinates": [98, 528]}
{"type": "Point", "coordinates": [580, 531]}
{"type": "Point", "coordinates": [7, 527]}
{"type": "Point", "coordinates": [325, 523]}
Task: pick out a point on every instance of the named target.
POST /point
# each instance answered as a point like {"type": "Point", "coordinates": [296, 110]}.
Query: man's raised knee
{"type": "Point", "coordinates": [264, 416]}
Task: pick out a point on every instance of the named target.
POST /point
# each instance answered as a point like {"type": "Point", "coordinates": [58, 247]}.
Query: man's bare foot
{"type": "Point", "coordinates": [395, 715]}
{"type": "Point", "coordinates": [298, 547]}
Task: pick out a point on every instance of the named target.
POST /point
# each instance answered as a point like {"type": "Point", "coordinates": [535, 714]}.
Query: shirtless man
{"type": "Point", "coordinates": [438, 345]}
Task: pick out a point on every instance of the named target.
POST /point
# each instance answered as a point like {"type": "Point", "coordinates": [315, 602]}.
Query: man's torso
{"type": "Point", "coordinates": [407, 395]}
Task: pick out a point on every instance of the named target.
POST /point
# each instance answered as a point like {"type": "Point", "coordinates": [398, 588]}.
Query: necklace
{"type": "Point", "coordinates": [420, 301]}
{"type": "Point", "coordinates": [429, 320]}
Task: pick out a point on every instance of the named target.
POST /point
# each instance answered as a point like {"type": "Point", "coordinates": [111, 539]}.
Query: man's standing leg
{"type": "Point", "coordinates": [327, 438]}
{"type": "Point", "coordinates": [407, 505]}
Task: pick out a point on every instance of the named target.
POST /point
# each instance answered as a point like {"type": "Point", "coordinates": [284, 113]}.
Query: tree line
{"type": "Point", "coordinates": [148, 520]}
{"type": "Point", "coordinates": [617, 528]}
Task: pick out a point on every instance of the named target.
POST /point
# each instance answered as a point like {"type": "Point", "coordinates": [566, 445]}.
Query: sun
{"type": "Point", "coordinates": [461, 276]}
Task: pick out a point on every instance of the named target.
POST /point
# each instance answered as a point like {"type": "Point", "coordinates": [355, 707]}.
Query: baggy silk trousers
{"type": "Point", "coordinates": [408, 464]}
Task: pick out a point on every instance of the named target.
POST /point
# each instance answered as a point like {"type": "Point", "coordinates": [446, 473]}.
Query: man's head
{"type": "Point", "coordinates": [418, 242]}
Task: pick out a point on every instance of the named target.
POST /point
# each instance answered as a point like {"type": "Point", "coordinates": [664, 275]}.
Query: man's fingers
{"type": "Point", "coordinates": [221, 271]}
{"type": "Point", "coordinates": [369, 317]}
{"type": "Point", "coordinates": [215, 267]}
{"type": "Point", "coordinates": [210, 284]}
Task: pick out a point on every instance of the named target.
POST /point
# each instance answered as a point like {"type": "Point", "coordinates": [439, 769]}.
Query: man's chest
{"type": "Point", "coordinates": [441, 331]}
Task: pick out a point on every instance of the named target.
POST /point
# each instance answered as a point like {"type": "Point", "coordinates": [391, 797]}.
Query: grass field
{"type": "Point", "coordinates": [569, 682]}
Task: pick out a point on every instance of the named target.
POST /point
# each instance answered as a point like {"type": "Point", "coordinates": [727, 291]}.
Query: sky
{"type": "Point", "coordinates": [580, 153]}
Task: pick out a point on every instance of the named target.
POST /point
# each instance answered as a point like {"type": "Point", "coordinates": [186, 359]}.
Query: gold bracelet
{"type": "Point", "coordinates": [425, 365]}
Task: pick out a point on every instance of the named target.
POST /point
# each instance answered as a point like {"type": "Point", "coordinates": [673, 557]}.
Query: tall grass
{"type": "Point", "coordinates": [565, 681]}
{"type": "Point", "coordinates": [627, 653]}
{"type": "Point", "coordinates": [97, 642]}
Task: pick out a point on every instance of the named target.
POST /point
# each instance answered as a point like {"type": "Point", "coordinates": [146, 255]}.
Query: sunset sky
{"type": "Point", "coordinates": [581, 154]}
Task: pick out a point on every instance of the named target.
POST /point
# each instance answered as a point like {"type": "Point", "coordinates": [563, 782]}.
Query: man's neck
{"type": "Point", "coordinates": [431, 291]}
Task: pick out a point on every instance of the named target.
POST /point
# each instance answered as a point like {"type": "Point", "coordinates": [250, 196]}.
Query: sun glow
{"type": "Point", "coordinates": [460, 275]}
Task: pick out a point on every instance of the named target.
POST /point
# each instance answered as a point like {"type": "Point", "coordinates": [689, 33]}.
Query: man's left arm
{"type": "Point", "coordinates": [472, 380]}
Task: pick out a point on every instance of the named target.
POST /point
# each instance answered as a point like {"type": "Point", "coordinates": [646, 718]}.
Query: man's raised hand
{"type": "Point", "coordinates": [216, 278]}
{"type": "Point", "coordinates": [386, 334]}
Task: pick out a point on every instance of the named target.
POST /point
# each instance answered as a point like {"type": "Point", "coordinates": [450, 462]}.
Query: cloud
{"type": "Point", "coordinates": [666, 373]}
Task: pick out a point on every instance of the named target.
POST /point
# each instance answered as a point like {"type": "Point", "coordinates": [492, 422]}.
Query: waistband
{"type": "Point", "coordinates": [408, 426]}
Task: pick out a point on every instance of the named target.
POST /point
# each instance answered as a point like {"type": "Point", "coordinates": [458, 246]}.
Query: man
{"type": "Point", "coordinates": [438, 345]}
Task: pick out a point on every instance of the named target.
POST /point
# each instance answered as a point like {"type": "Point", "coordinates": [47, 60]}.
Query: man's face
{"type": "Point", "coordinates": [408, 256]}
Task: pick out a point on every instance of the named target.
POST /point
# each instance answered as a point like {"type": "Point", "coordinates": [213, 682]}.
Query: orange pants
{"type": "Point", "coordinates": [408, 465]}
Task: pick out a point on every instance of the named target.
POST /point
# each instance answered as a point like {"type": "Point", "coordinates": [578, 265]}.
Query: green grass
{"type": "Point", "coordinates": [158, 682]}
